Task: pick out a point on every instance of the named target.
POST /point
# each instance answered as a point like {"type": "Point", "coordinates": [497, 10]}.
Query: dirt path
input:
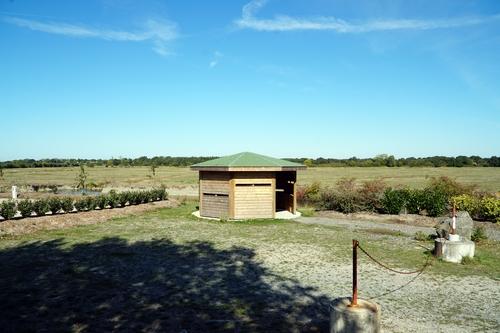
{"type": "Point", "coordinates": [50, 222]}
{"type": "Point", "coordinates": [351, 224]}
{"type": "Point", "coordinates": [405, 224]}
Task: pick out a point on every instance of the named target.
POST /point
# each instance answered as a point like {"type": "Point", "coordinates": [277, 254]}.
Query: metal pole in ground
{"type": "Point", "coordinates": [354, 301]}
{"type": "Point", "coordinates": [350, 315]}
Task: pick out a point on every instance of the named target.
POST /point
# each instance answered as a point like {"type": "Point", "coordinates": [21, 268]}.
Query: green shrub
{"type": "Point", "coordinates": [67, 204]}
{"type": "Point", "coordinates": [41, 207]}
{"type": "Point", "coordinates": [101, 201]}
{"type": "Point", "coordinates": [394, 200]}
{"type": "Point", "coordinates": [25, 207]}
{"type": "Point", "coordinates": [148, 196]}
{"type": "Point", "coordinates": [90, 202]}
{"type": "Point", "coordinates": [469, 203]}
{"type": "Point", "coordinates": [134, 198]}
{"type": "Point", "coordinates": [415, 201]}
{"type": "Point", "coordinates": [490, 209]}
{"type": "Point", "coordinates": [481, 208]}
{"type": "Point", "coordinates": [153, 194]}
{"type": "Point", "coordinates": [139, 197]}
{"type": "Point", "coordinates": [435, 201]}
{"type": "Point", "coordinates": [8, 209]}
{"type": "Point", "coordinates": [478, 234]}
{"type": "Point", "coordinates": [81, 205]}
{"type": "Point", "coordinates": [123, 198]}
{"type": "Point", "coordinates": [144, 196]}
{"type": "Point", "coordinates": [158, 193]}
{"type": "Point", "coordinates": [55, 204]}
{"type": "Point", "coordinates": [158, 196]}
{"type": "Point", "coordinates": [162, 193]}
{"type": "Point", "coordinates": [112, 199]}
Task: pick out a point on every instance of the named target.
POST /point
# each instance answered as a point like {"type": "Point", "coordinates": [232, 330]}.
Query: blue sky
{"type": "Point", "coordinates": [106, 78]}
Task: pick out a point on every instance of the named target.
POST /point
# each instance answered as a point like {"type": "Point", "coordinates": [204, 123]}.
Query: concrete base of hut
{"type": "Point", "coordinates": [282, 215]}
{"type": "Point", "coordinates": [453, 251]}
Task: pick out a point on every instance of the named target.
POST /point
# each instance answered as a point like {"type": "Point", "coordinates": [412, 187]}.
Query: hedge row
{"type": "Point", "coordinates": [57, 205]}
{"type": "Point", "coordinates": [434, 200]}
{"type": "Point", "coordinates": [430, 201]}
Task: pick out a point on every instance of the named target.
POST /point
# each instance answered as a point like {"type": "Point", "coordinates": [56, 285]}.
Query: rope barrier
{"type": "Point", "coordinates": [355, 246]}
{"type": "Point", "coordinates": [427, 263]}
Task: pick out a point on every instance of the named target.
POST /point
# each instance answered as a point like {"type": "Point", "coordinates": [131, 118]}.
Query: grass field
{"type": "Point", "coordinates": [486, 178]}
{"type": "Point", "coordinates": [167, 271]}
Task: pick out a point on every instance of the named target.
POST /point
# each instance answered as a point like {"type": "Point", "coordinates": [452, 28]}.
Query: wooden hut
{"type": "Point", "coordinates": [247, 185]}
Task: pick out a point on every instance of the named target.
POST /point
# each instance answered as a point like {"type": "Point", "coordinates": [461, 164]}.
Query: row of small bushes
{"type": "Point", "coordinates": [57, 205]}
{"type": "Point", "coordinates": [375, 196]}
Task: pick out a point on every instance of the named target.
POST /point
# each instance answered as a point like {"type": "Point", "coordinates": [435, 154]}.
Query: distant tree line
{"type": "Point", "coordinates": [152, 162]}
{"type": "Point", "coordinates": [379, 160]}
{"type": "Point", "coordinates": [391, 161]}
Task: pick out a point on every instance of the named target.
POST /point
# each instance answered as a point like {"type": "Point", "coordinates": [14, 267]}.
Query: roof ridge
{"type": "Point", "coordinates": [272, 160]}
{"type": "Point", "coordinates": [237, 158]}
{"type": "Point", "coordinates": [247, 159]}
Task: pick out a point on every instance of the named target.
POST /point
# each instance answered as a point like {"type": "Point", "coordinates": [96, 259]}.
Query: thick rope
{"type": "Point", "coordinates": [393, 270]}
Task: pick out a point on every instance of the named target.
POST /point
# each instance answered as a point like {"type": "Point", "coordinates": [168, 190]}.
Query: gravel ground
{"type": "Point", "coordinates": [428, 303]}
{"type": "Point", "coordinates": [351, 224]}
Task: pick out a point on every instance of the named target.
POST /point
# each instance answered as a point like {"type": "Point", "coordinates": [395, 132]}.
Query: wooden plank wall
{"type": "Point", "coordinates": [254, 201]}
{"type": "Point", "coordinates": [216, 206]}
{"type": "Point", "coordinates": [214, 194]}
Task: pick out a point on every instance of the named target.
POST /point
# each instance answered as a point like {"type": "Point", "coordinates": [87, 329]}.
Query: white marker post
{"type": "Point", "coordinates": [454, 220]}
{"type": "Point", "coordinates": [453, 236]}
{"type": "Point", "coordinates": [14, 192]}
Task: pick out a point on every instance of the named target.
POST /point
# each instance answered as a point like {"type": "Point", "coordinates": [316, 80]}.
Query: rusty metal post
{"type": "Point", "coordinates": [354, 301]}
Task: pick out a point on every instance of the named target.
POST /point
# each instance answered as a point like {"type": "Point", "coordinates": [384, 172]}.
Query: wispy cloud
{"type": "Point", "coordinates": [215, 59]}
{"type": "Point", "coordinates": [160, 33]}
{"type": "Point", "coordinates": [249, 20]}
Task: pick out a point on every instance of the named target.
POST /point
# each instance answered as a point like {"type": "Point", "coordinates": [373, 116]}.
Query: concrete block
{"type": "Point", "coordinates": [364, 318]}
{"type": "Point", "coordinates": [454, 251]}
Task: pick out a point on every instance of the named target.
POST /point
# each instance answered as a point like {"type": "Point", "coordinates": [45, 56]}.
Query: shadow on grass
{"type": "Point", "coordinates": [112, 285]}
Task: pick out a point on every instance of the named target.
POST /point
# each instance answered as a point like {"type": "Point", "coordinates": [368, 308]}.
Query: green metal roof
{"type": "Point", "coordinates": [247, 159]}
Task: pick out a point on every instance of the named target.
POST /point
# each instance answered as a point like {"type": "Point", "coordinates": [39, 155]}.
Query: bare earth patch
{"type": "Point", "coordinates": [51, 222]}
